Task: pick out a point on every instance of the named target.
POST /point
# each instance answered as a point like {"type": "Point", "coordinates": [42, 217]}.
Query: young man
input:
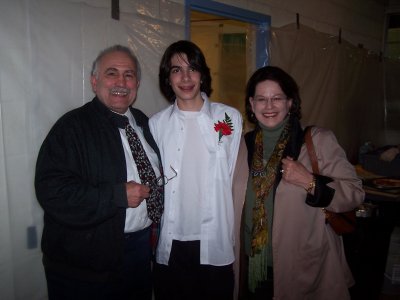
{"type": "Point", "coordinates": [200, 141]}
{"type": "Point", "coordinates": [89, 181]}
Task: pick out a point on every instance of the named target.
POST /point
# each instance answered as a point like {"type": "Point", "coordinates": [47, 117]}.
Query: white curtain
{"type": "Point", "coordinates": [342, 86]}
{"type": "Point", "coordinates": [47, 48]}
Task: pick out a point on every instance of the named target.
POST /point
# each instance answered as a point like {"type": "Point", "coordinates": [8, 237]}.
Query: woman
{"type": "Point", "coordinates": [292, 253]}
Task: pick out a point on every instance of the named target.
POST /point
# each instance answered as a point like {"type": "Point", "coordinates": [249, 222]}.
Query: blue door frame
{"type": "Point", "coordinates": [263, 23]}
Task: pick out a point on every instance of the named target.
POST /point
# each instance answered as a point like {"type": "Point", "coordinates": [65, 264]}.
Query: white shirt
{"type": "Point", "coordinates": [193, 185]}
{"type": "Point", "coordinates": [137, 218]}
{"type": "Point", "coordinates": [215, 209]}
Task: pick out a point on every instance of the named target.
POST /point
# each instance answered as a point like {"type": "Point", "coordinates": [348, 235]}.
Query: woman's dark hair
{"type": "Point", "coordinates": [195, 59]}
{"type": "Point", "coordinates": [285, 81]}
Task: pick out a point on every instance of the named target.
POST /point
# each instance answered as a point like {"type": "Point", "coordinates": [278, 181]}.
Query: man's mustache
{"type": "Point", "coordinates": [120, 90]}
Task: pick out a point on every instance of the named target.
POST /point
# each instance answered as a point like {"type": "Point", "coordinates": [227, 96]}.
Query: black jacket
{"type": "Point", "coordinates": [80, 184]}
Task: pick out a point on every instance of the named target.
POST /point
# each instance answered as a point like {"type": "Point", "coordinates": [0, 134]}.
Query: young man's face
{"type": "Point", "coordinates": [115, 82]}
{"type": "Point", "coordinates": [184, 80]}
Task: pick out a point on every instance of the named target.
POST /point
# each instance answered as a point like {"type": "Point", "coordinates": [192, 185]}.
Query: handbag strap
{"type": "Point", "coordinates": [311, 149]}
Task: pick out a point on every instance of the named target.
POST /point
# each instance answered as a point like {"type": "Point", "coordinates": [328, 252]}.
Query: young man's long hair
{"type": "Point", "coordinates": [195, 59]}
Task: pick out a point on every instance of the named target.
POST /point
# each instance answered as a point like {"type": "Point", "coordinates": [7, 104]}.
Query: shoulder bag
{"type": "Point", "coordinates": [341, 223]}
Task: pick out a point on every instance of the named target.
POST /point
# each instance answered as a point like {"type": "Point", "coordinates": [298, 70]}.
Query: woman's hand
{"type": "Point", "coordinates": [295, 173]}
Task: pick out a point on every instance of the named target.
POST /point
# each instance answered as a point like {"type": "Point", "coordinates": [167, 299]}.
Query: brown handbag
{"type": "Point", "coordinates": [341, 223]}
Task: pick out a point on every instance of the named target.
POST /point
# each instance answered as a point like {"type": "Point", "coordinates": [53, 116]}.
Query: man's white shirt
{"type": "Point", "coordinates": [137, 218]}
{"type": "Point", "coordinates": [189, 143]}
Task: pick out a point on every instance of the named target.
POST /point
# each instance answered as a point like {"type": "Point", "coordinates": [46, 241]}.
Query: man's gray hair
{"type": "Point", "coordinates": [116, 48]}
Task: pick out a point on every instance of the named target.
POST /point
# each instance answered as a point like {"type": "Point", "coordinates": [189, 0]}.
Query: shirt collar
{"type": "Point", "coordinates": [205, 109]}
{"type": "Point", "coordinates": [130, 117]}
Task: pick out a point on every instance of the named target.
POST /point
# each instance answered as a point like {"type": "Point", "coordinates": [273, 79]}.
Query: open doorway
{"type": "Point", "coordinates": [223, 42]}
{"type": "Point", "coordinates": [234, 42]}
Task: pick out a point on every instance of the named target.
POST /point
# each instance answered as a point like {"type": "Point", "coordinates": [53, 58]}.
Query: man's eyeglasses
{"type": "Point", "coordinates": [274, 99]}
{"type": "Point", "coordinates": [163, 179]}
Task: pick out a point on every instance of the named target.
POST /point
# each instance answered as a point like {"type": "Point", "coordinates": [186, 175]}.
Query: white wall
{"type": "Point", "coordinates": [47, 47]}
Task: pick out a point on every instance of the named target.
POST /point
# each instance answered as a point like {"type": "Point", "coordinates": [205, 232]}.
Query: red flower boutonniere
{"type": "Point", "coordinates": [224, 127]}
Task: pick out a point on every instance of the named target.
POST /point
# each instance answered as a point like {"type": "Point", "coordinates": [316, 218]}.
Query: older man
{"type": "Point", "coordinates": [96, 179]}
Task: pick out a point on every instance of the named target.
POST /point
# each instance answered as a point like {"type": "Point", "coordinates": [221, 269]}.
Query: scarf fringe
{"type": "Point", "coordinates": [257, 269]}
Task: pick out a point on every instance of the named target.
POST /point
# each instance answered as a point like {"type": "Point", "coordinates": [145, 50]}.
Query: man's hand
{"type": "Point", "coordinates": [136, 193]}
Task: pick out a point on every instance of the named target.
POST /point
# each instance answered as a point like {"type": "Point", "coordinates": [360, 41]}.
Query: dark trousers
{"type": "Point", "coordinates": [265, 290]}
{"type": "Point", "coordinates": [135, 283]}
{"type": "Point", "coordinates": [184, 278]}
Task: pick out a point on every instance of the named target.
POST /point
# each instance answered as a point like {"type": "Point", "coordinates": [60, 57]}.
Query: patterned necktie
{"type": "Point", "coordinates": [146, 173]}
